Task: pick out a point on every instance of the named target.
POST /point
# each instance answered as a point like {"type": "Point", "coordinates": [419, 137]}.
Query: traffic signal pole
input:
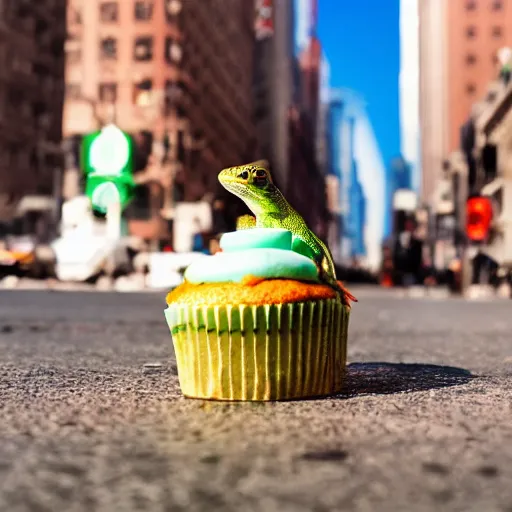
{"type": "Point", "coordinates": [114, 220]}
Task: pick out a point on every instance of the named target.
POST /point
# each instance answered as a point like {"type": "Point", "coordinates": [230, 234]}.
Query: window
{"type": "Point", "coordinates": [470, 5]}
{"type": "Point", "coordinates": [143, 49]}
{"type": "Point", "coordinates": [489, 158]}
{"type": "Point", "coordinates": [109, 12]}
{"type": "Point", "coordinates": [108, 48]}
{"type": "Point", "coordinates": [470, 89]}
{"type": "Point", "coordinates": [107, 92]}
{"type": "Point", "coordinates": [470, 59]}
{"type": "Point", "coordinates": [497, 5]}
{"type": "Point", "coordinates": [172, 9]}
{"type": "Point", "coordinates": [73, 91]}
{"type": "Point", "coordinates": [173, 51]}
{"type": "Point", "coordinates": [471, 32]}
{"type": "Point", "coordinates": [142, 93]}
{"type": "Point", "coordinates": [173, 93]}
{"type": "Point", "coordinates": [145, 85]}
{"type": "Point", "coordinates": [143, 10]}
{"type": "Point", "coordinates": [491, 96]}
{"type": "Point", "coordinates": [496, 32]}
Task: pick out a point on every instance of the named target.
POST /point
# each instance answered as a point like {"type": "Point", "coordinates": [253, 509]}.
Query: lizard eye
{"type": "Point", "coordinates": [244, 175]}
{"type": "Point", "coordinates": [261, 174]}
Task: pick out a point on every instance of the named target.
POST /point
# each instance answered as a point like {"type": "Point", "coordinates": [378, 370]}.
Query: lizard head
{"type": "Point", "coordinates": [250, 182]}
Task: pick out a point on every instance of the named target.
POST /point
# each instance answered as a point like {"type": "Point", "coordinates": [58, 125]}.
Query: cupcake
{"type": "Point", "coordinates": [254, 322]}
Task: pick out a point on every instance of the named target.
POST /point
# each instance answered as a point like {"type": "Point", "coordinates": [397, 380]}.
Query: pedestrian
{"type": "Point", "coordinates": [408, 255]}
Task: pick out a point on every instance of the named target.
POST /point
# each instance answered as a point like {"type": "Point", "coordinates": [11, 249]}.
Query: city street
{"type": "Point", "coordinates": [91, 417]}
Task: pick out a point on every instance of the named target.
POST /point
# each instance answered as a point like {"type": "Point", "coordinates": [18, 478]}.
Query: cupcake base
{"type": "Point", "coordinates": [260, 353]}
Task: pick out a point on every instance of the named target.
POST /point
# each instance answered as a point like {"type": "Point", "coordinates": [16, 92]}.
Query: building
{"type": "Point", "coordinates": [303, 11]}
{"type": "Point", "coordinates": [410, 140]}
{"type": "Point", "coordinates": [31, 96]}
{"type": "Point", "coordinates": [275, 84]}
{"type": "Point", "coordinates": [492, 147]}
{"type": "Point", "coordinates": [286, 102]}
{"type": "Point", "coordinates": [459, 43]}
{"type": "Point", "coordinates": [177, 76]}
{"type": "Point", "coordinates": [324, 103]}
{"type": "Point", "coordinates": [333, 178]}
{"type": "Point", "coordinates": [359, 156]}
{"type": "Point", "coordinates": [357, 215]}
{"type": "Point", "coordinates": [310, 64]}
{"type": "Point", "coordinates": [318, 78]}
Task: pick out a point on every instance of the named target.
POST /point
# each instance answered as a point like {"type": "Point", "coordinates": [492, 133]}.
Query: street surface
{"type": "Point", "coordinates": [91, 417]}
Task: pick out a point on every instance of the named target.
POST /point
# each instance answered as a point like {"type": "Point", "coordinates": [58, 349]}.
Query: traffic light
{"type": "Point", "coordinates": [478, 218]}
{"type": "Point", "coordinates": [107, 159]}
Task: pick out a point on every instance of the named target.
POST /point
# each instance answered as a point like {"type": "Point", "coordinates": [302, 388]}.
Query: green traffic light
{"type": "Point", "coordinates": [104, 195]}
{"type": "Point", "coordinates": [107, 160]}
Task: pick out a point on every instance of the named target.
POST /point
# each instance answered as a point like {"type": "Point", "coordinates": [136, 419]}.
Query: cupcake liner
{"type": "Point", "coordinates": [268, 352]}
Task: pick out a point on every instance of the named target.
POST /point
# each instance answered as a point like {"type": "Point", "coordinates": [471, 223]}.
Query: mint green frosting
{"type": "Point", "coordinates": [256, 238]}
{"type": "Point", "coordinates": [261, 252]}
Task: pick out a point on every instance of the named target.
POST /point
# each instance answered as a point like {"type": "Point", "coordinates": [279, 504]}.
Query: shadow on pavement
{"type": "Point", "coordinates": [386, 378]}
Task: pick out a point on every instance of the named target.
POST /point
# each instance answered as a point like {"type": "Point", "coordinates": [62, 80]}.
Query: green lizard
{"type": "Point", "coordinates": [253, 184]}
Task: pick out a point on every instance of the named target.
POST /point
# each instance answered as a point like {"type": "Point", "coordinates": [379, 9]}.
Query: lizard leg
{"type": "Point", "coordinates": [245, 222]}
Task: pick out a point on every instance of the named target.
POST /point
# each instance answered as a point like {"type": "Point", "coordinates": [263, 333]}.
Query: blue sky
{"type": "Point", "coordinates": [361, 40]}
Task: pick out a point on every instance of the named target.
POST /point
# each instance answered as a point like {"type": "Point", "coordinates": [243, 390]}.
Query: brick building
{"type": "Point", "coordinates": [32, 36]}
{"type": "Point", "coordinates": [175, 74]}
{"type": "Point", "coordinates": [459, 43]}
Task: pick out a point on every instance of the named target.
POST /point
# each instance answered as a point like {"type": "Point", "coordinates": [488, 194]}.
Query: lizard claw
{"type": "Point", "coordinates": [337, 286]}
{"type": "Point", "coordinates": [347, 294]}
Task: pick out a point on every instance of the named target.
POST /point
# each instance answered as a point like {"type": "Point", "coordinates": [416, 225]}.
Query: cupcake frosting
{"type": "Point", "coordinates": [264, 253]}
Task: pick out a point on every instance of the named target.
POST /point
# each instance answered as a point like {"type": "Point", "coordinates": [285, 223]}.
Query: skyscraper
{"type": "Point", "coordinates": [274, 85]}
{"type": "Point", "coordinates": [409, 88]}
{"type": "Point", "coordinates": [286, 105]}
{"type": "Point", "coordinates": [357, 215]}
{"type": "Point", "coordinates": [459, 41]}
{"type": "Point", "coordinates": [360, 152]}
{"type": "Point", "coordinates": [333, 178]}
{"type": "Point", "coordinates": [302, 24]}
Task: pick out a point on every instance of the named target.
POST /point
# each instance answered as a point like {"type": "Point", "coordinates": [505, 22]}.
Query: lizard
{"type": "Point", "coordinates": [253, 184]}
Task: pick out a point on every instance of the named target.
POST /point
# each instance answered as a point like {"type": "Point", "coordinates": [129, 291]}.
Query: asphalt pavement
{"type": "Point", "coordinates": [92, 419]}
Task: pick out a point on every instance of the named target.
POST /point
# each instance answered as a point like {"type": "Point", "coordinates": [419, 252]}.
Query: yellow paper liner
{"type": "Point", "coordinates": [271, 352]}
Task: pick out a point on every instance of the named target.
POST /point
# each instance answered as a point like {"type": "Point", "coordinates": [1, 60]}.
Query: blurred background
{"type": "Point", "coordinates": [388, 127]}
